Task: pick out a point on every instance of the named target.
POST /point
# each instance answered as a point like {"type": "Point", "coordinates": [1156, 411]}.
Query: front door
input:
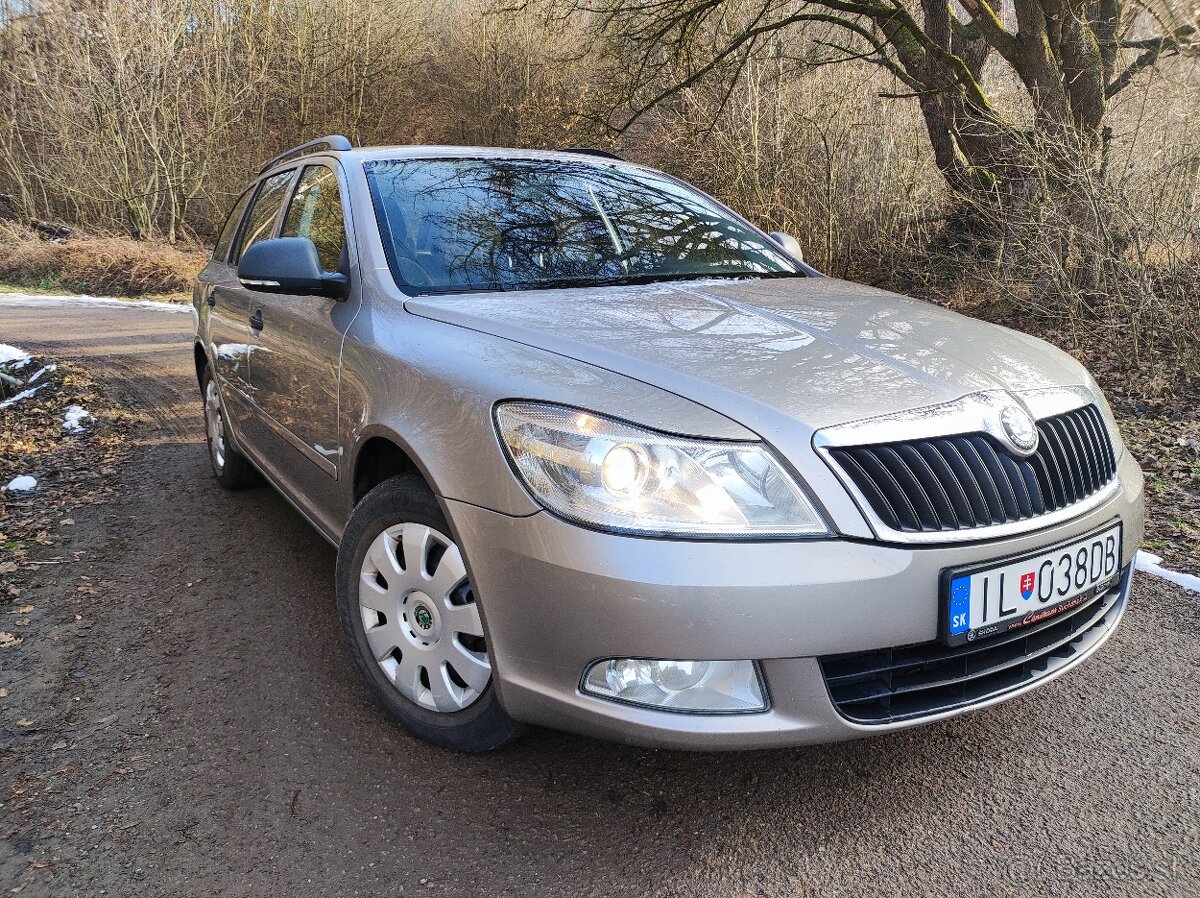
{"type": "Point", "coordinates": [296, 366]}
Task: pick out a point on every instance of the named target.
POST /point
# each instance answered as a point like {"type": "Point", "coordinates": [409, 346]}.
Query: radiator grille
{"type": "Point", "coordinates": [972, 480]}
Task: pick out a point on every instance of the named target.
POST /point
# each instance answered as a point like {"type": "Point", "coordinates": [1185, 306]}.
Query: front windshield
{"type": "Point", "coordinates": [459, 225]}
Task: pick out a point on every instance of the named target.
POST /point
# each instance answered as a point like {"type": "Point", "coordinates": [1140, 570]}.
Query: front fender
{"type": "Point", "coordinates": [431, 387]}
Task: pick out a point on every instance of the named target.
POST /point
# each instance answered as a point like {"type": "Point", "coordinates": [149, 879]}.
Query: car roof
{"type": "Point", "coordinates": [432, 151]}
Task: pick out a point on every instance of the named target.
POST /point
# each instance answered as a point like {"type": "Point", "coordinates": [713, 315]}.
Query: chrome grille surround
{"type": "Point", "coordinates": [976, 418]}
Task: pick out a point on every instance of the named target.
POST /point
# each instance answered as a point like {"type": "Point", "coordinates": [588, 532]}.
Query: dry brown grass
{"type": "Point", "coordinates": [110, 266]}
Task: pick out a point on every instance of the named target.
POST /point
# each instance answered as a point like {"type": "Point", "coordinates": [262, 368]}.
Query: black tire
{"type": "Point", "coordinates": [481, 726]}
{"type": "Point", "coordinates": [232, 471]}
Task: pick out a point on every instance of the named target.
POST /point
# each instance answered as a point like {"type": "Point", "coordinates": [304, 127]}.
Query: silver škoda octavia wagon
{"type": "Point", "coordinates": [598, 454]}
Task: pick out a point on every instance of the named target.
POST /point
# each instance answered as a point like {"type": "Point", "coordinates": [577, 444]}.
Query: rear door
{"type": "Point", "coordinates": [295, 368]}
{"type": "Point", "coordinates": [223, 332]}
{"type": "Point", "coordinates": [233, 309]}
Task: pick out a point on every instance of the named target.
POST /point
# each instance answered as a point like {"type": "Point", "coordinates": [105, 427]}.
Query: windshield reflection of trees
{"type": "Point", "coordinates": [514, 224]}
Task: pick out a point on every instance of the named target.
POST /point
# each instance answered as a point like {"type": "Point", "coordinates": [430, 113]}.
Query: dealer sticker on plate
{"type": "Point", "coordinates": [989, 600]}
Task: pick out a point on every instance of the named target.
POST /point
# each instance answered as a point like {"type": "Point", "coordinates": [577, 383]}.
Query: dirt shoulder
{"type": "Point", "coordinates": [63, 441]}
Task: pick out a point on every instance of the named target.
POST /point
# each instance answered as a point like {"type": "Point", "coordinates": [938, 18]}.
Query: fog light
{"type": "Point", "coordinates": [675, 676]}
{"type": "Point", "coordinates": [713, 687]}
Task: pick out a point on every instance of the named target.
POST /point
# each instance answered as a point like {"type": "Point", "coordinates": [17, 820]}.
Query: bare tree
{"type": "Point", "coordinates": [1072, 57]}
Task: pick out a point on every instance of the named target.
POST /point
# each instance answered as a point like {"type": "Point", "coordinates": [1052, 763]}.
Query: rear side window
{"type": "Point", "coordinates": [221, 250]}
{"type": "Point", "coordinates": [316, 213]}
{"type": "Point", "coordinates": [264, 211]}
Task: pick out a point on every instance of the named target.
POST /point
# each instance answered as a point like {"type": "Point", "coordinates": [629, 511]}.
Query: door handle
{"type": "Point", "coordinates": [256, 321]}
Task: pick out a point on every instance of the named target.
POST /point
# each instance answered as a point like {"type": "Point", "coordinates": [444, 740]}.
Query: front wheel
{"type": "Point", "coordinates": [412, 623]}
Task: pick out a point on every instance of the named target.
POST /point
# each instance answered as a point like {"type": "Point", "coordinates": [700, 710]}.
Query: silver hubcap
{"type": "Point", "coordinates": [215, 425]}
{"type": "Point", "coordinates": [421, 620]}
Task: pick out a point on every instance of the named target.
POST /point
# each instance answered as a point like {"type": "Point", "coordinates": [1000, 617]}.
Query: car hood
{"type": "Point", "coordinates": [817, 350]}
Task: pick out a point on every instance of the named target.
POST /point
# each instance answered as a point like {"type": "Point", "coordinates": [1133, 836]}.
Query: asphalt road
{"type": "Point", "coordinates": [212, 737]}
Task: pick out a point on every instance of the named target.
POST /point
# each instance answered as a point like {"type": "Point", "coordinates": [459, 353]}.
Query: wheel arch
{"type": "Point", "coordinates": [380, 455]}
{"type": "Point", "coordinates": [201, 360]}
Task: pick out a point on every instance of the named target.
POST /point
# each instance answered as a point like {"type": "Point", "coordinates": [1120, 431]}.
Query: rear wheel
{"type": "Point", "coordinates": [412, 623]}
{"type": "Point", "coordinates": [230, 467]}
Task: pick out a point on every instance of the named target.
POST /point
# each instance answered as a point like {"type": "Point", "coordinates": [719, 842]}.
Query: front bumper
{"type": "Point", "coordinates": [556, 597]}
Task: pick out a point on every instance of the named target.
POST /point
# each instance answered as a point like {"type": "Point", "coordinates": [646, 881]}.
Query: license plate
{"type": "Point", "coordinates": [991, 599]}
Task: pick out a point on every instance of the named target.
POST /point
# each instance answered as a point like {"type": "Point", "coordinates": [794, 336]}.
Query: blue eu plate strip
{"type": "Point", "coordinates": [960, 605]}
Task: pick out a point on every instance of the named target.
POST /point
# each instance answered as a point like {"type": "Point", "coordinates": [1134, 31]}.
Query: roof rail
{"type": "Point", "coordinates": [591, 151]}
{"type": "Point", "coordinates": [332, 142]}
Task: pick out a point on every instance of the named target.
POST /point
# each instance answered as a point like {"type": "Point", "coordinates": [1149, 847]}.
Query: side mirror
{"type": "Point", "coordinates": [288, 265]}
{"type": "Point", "coordinates": [788, 244]}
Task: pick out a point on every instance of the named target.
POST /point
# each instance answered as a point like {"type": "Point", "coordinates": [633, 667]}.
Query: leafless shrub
{"type": "Point", "coordinates": [99, 265]}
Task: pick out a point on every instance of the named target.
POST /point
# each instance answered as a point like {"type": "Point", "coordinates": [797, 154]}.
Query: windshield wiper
{"type": "Point", "coordinates": [632, 280]}
{"type": "Point", "coordinates": [702, 276]}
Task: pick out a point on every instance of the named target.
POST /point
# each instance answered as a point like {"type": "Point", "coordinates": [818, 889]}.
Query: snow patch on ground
{"type": "Point", "coordinates": [37, 375]}
{"type": "Point", "coordinates": [24, 394]}
{"type": "Point", "coordinates": [73, 418]}
{"type": "Point", "coordinates": [12, 354]}
{"type": "Point", "coordinates": [31, 299]}
{"type": "Point", "coordinates": [1152, 564]}
{"type": "Point", "coordinates": [22, 484]}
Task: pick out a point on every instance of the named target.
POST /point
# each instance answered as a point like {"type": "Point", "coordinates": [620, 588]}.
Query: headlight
{"type": "Point", "coordinates": [617, 476]}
